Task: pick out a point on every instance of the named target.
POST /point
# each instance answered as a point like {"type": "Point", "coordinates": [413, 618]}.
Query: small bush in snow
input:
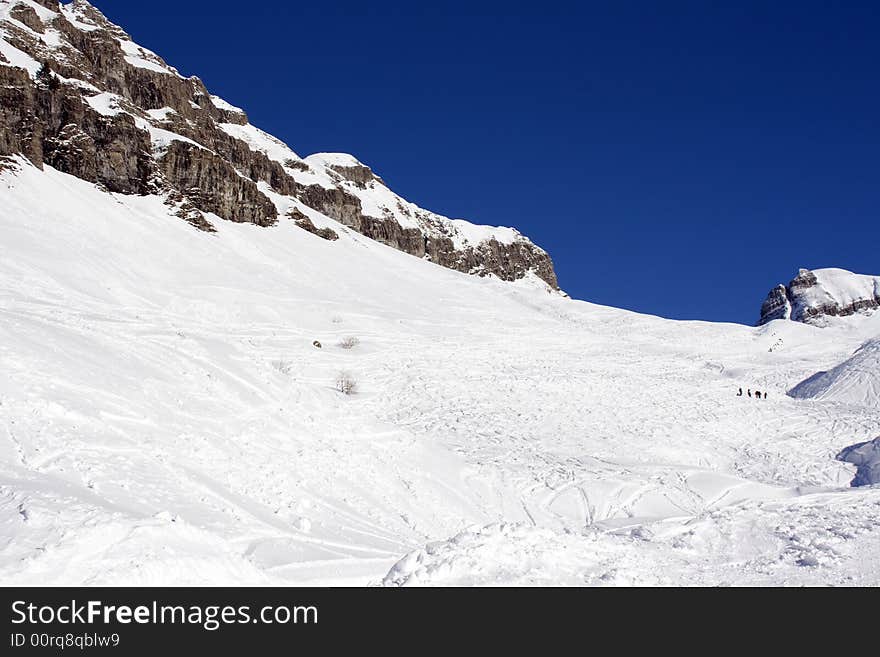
{"type": "Point", "coordinates": [346, 384]}
{"type": "Point", "coordinates": [283, 366]}
{"type": "Point", "coordinates": [349, 343]}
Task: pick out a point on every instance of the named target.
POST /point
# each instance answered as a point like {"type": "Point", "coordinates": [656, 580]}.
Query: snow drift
{"type": "Point", "coordinates": [854, 381]}
{"type": "Point", "coordinates": [866, 457]}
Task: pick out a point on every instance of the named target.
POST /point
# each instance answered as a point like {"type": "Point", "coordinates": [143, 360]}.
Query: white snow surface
{"type": "Point", "coordinates": [17, 58]}
{"type": "Point", "coordinates": [854, 381]}
{"type": "Point", "coordinates": [105, 104]}
{"type": "Point", "coordinates": [142, 58]}
{"type": "Point", "coordinates": [220, 103]}
{"type": "Point", "coordinates": [74, 12]}
{"type": "Point", "coordinates": [165, 419]}
{"type": "Point", "coordinates": [866, 457]}
{"type": "Point", "coordinates": [260, 141]}
{"type": "Point", "coordinates": [335, 159]}
{"type": "Point", "coordinates": [13, 55]}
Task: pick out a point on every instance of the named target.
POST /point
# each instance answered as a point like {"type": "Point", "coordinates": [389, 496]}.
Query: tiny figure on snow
{"type": "Point", "coordinates": [750, 392]}
{"type": "Point", "coordinates": [316, 344]}
{"type": "Point", "coordinates": [740, 393]}
{"type": "Point", "coordinates": [758, 394]}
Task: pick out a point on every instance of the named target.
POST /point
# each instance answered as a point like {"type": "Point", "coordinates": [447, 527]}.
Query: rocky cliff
{"type": "Point", "coordinates": [77, 94]}
{"type": "Point", "coordinates": [814, 296]}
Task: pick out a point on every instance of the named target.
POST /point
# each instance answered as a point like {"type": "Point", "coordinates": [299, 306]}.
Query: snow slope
{"type": "Point", "coordinates": [165, 419]}
{"type": "Point", "coordinates": [854, 381]}
{"type": "Point", "coordinates": [866, 457]}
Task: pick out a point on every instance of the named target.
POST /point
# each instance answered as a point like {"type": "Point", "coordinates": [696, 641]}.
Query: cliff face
{"type": "Point", "coordinates": [76, 93]}
{"type": "Point", "coordinates": [814, 296]}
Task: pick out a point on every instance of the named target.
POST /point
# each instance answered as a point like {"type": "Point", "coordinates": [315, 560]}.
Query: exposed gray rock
{"type": "Point", "coordinates": [306, 224]}
{"type": "Point", "coordinates": [213, 185]}
{"type": "Point", "coordinates": [48, 4]}
{"type": "Point", "coordinates": [53, 125]}
{"type": "Point", "coordinates": [360, 175]}
{"type": "Point", "coordinates": [776, 305]}
{"type": "Point", "coordinates": [26, 15]}
{"type": "Point", "coordinates": [183, 208]}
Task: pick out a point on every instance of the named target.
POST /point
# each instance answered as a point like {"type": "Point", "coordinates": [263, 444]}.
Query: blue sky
{"type": "Point", "coordinates": [675, 158]}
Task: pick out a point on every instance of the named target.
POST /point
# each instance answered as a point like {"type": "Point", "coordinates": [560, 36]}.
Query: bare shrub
{"type": "Point", "coordinates": [350, 342]}
{"type": "Point", "coordinates": [283, 366]}
{"type": "Point", "coordinates": [345, 383]}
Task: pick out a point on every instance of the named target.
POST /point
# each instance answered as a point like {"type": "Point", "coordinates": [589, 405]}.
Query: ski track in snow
{"type": "Point", "coordinates": [165, 419]}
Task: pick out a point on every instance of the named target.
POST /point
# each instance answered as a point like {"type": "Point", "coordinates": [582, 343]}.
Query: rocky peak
{"type": "Point", "coordinates": [87, 14]}
{"type": "Point", "coordinates": [78, 94]}
{"type": "Point", "coordinates": [814, 296]}
{"type": "Point", "coordinates": [347, 166]}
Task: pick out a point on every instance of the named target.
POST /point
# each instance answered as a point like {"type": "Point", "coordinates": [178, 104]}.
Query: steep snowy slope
{"type": "Point", "coordinates": [165, 417]}
{"type": "Point", "coordinates": [854, 381]}
{"type": "Point", "coordinates": [78, 94]}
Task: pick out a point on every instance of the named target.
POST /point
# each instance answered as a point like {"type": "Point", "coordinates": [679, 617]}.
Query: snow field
{"type": "Point", "coordinates": [165, 418]}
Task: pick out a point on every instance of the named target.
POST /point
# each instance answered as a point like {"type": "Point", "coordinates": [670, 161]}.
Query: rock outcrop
{"type": "Point", "coordinates": [77, 94]}
{"type": "Point", "coordinates": [211, 184]}
{"type": "Point", "coordinates": [814, 296]}
{"type": "Point", "coordinates": [307, 225]}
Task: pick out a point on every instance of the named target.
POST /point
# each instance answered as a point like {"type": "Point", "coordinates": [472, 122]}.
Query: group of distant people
{"type": "Point", "coordinates": [758, 394]}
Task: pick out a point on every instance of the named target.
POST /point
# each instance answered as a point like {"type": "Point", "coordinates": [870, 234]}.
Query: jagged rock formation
{"type": "Point", "coordinates": [76, 93]}
{"type": "Point", "coordinates": [306, 224]}
{"type": "Point", "coordinates": [814, 296]}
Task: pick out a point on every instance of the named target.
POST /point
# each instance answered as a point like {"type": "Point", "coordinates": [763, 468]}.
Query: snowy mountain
{"type": "Point", "coordinates": [76, 93]}
{"type": "Point", "coordinates": [814, 296]}
{"type": "Point", "coordinates": [174, 407]}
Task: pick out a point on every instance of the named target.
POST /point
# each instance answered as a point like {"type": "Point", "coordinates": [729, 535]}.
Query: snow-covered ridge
{"type": "Point", "coordinates": [179, 114]}
{"type": "Point", "coordinates": [82, 16]}
{"type": "Point", "coordinates": [814, 296]}
{"type": "Point", "coordinates": [379, 201]}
